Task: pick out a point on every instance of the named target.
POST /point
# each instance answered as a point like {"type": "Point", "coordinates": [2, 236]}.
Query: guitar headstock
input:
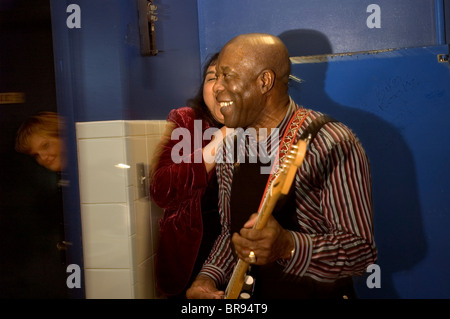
{"type": "Point", "coordinates": [292, 161]}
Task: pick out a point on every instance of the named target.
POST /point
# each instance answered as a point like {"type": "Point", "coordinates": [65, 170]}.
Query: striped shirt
{"type": "Point", "coordinates": [333, 207]}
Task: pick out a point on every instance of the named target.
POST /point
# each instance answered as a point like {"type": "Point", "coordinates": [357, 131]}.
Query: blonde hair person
{"type": "Point", "coordinates": [40, 137]}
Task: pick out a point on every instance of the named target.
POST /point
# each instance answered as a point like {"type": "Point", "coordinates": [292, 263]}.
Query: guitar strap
{"type": "Point", "coordinates": [290, 135]}
{"type": "Point", "coordinates": [244, 199]}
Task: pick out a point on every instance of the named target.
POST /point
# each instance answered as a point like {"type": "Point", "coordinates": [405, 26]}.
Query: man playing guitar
{"type": "Point", "coordinates": [320, 234]}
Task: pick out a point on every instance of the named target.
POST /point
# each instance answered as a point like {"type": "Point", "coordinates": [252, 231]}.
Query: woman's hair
{"type": "Point", "coordinates": [197, 102]}
{"type": "Point", "coordinates": [43, 123]}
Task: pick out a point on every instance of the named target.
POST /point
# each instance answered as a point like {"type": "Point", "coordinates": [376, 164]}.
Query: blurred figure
{"type": "Point", "coordinates": [39, 137]}
{"type": "Point", "coordinates": [36, 263]}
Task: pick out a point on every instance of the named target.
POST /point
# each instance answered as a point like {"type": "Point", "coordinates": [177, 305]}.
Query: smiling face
{"type": "Point", "coordinates": [47, 151]}
{"type": "Point", "coordinates": [208, 94]}
{"type": "Point", "coordinates": [236, 88]}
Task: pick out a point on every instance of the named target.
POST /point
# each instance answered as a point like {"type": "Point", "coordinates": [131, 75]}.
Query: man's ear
{"type": "Point", "coordinates": [267, 80]}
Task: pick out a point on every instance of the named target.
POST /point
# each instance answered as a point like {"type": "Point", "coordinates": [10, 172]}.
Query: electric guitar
{"type": "Point", "coordinates": [279, 184]}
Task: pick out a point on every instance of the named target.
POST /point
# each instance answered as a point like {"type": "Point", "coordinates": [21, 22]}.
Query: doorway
{"type": "Point", "coordinates": [32, 260]}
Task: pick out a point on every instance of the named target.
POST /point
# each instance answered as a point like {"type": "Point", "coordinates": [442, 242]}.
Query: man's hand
{"type": "Point", "coordinates": [204, 288]}
{"type": "Point", "coordinates": [269, 244]}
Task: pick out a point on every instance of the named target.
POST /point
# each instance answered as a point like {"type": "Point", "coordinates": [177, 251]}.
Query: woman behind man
{"type": "Point", "coordinates": [187, 192]}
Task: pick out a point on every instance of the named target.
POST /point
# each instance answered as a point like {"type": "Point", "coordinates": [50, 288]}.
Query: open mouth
{"type": "Point", "coordinates": [224, 106]}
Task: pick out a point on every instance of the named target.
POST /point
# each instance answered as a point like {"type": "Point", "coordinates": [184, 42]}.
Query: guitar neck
{"type": "Point", "coordinates": [266, 210]}
{"type": "Point", "coordinates": [278, 186]}
{"type": "Point", "coordinates": [237, 278]}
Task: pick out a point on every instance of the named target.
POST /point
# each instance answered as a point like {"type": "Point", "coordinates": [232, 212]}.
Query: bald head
{"type": "Point", "coordinates": [263, 51]}
{"type": "Point", "coordinates": [252, 76]}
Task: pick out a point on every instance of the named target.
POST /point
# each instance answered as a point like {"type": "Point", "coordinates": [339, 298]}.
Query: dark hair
{"type": "Point", "coordinates": [197, 102]}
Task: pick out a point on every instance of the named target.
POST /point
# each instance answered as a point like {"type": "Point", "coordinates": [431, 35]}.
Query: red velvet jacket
{"type": "Point", "coordinates": [178, 189]}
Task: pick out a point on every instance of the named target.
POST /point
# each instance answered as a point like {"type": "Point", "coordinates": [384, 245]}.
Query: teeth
{"type": "Point", "coordinates": [222, 104]}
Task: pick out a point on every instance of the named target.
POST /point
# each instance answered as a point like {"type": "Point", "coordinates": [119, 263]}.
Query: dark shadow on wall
{"type": "Point", "coordinates": [398, 225]}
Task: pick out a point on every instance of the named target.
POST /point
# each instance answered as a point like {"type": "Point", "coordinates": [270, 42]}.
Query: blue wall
{"type": "Point", "coordinates": [447, 20]}
{"type": "Point", "coordinates": [101, 75]}
{"type": "Point", "coordinates": [398, 104]}
{"type": "Point", "coordinates": [396, 100]}
{"type": "Point", "coordinates": [110, 79]}
{"type": "Point", "coordinates": [404, 23]}
{"type": "Point", "coordinates": [113, 81]}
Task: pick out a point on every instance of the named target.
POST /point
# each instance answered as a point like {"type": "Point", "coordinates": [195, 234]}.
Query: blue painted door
{"type": "Point", "coordinates": [398, 103]}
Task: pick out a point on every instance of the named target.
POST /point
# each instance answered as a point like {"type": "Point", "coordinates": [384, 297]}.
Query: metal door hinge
{"type": "Point", "coordinates": [147, 18]}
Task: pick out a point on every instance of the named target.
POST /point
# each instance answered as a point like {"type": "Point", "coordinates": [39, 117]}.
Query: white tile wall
{"type": "Point", "coordinates": [119, 229]}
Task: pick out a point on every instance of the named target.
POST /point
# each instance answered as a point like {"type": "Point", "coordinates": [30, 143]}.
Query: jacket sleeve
{"type": "Point", "coordinates": [177, 183]}
{"type": "Point", "coordinates": [178, 170]}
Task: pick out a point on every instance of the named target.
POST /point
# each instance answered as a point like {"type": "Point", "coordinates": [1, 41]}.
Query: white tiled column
{"type": "Point", "coordinates": [120, 228]}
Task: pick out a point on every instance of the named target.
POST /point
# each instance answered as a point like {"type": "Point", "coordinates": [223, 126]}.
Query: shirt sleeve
{"type": "Point", "coordinates": [221, 261]}
{"type": "Point", "coordinates": [335, 213]}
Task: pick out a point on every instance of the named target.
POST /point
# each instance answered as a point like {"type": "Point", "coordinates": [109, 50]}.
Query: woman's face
{"type": "Point", "coordinates": [47, 151]}
{"type": "Point", "coordinates": [208, 94]}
